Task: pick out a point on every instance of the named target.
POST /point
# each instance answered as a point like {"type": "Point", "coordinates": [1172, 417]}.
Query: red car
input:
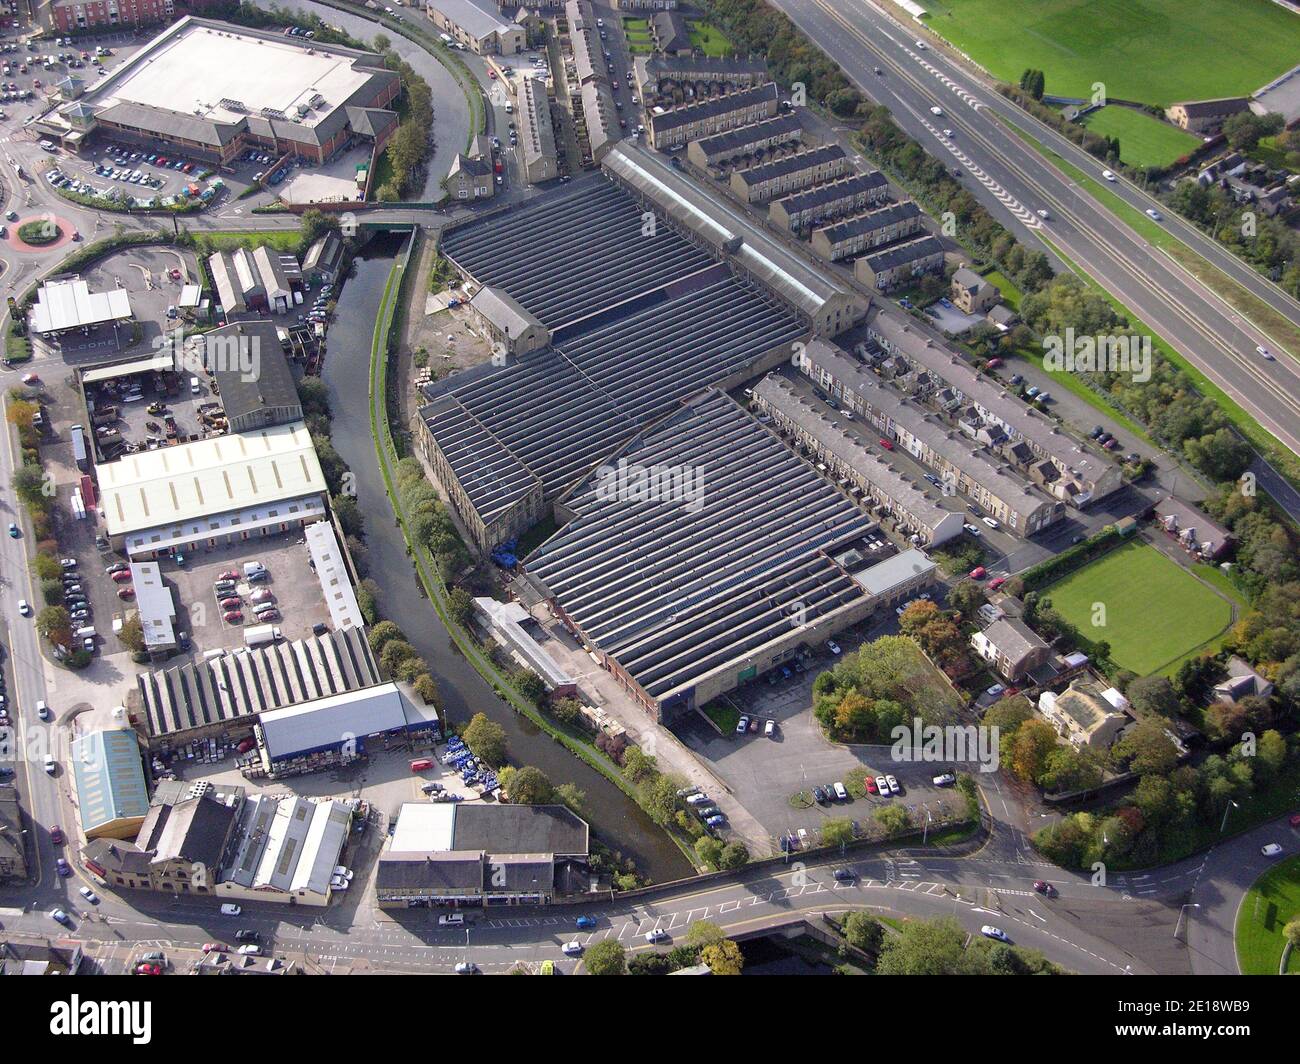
{"type": "Point", "coordinates": [233, 617]}
{"type": "Point", "coordinates": [148, 969]}
{"type": "Point", "coordinates": [215, 947]}
{"type": "Point", "coordinates": [231, 603]}
{"type": "Point", "coordinates": [1295, 820]}
{"type": "Point", "coordinates": [492, 74]}
{"type": "Point", "coordinates": [1045, 889]}
{"type": "Point", "coordinates": [122, 576]}
{"type": "Point", "coordinates": [871, 786]}
{"type": "Point", "coordinates": [126, 593]}
{"type": "Point", "coordinates": [56, 835]}
{"type": "Point", "coordinates": [888, 445]}
{"type": "Point", "coordinates": [997, 582]}
{"type": "Point", "coordinates": [994, 363]}
{"type": "Point", "coordinates": [246, 745]}
{"type": "Point", "coordinates": [273, 615]}
{"type": "Point", "coordinates": [229, 574]}
{"type": "Point", "coordinates": [978, 573]}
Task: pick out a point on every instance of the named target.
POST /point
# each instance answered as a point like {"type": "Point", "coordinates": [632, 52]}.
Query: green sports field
{"type": "Point", "coordinates": [1268, 905]}
{"type": "Point", "coordinates": [1155, 611]}
{"type": "Point", "coordinates": [1143, 139]}
{"type": "Point", "coordinates": [1150, 51]}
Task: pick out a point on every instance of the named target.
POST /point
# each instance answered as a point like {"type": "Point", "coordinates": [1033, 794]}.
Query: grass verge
{"type": "Point", "coordinates": [1271, 902]}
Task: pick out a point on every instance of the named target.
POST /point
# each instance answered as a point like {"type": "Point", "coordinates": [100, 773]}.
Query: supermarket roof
{"type": "Point", "coordinates": [208, 477]}
{"type": "Point", "coordinates": [69, 304]}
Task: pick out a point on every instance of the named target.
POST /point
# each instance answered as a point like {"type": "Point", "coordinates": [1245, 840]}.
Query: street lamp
{"type": "Point", "coordinates": [1230, 806]}
{"type": "Point", "coordinates": [1183, 909]}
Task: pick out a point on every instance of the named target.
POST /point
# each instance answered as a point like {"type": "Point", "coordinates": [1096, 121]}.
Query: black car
{"type": "Point", "coordinates": [247, 934]}
{"type": "Point", "coordinates": [821, 796]}
{"type": "Point", "coordinates": [844, 875]}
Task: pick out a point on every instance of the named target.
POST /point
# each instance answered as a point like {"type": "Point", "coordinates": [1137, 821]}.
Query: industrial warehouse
{"type": "Point", "coordinates": [684, 598]}
{"type": "Point", "coordinates": [214, 90]}
{"type": "Point", "coordinates": [505, 441]}
{"type": "Point", "coordinates": [218, 697]}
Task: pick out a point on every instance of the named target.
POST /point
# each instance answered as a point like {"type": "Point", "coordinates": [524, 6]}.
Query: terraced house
{"type": "Point", "coordinates": [863, 232]}
{"type": "Point", "coordinates": [673, 127]}
{"type": "Point", "coordinates": [803, 211]}
{"type": "Point", "coordinates": [800, 170]}
{"type": "Point", "coordinates": [744, 141]}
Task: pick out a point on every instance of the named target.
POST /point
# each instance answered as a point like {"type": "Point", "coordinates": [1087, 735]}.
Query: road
{"type": "Point", "coordinates": [1014, 181]}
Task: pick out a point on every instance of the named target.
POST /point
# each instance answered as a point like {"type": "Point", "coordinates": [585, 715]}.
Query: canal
{"type": "Point", "coordinates": [616, 819]}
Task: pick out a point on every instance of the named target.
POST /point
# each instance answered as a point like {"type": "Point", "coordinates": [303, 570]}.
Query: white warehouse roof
{"type": "Point", "coordinates": [209, 477]}
{"type": "Point", "coordinates": [71, 305]}
{"type": "Point", "coordinates": [325, 722]}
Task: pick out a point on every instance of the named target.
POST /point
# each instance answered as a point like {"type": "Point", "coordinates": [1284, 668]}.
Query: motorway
{"type": "Point", "coordinates": [1014, 181]}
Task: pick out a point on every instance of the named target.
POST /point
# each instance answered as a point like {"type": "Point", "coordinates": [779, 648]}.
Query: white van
{"type": "Point", "coordinates": [88, 632]}
{"type": "Point", "coordinates": [451, 920]}
{"type": "Point", "coordinates": [194, 386]}
{"type": "Point", "coordinates": [229, 909]}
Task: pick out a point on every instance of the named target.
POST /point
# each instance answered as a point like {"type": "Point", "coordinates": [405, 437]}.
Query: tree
{"type": "Point", "coordinates": [704, 933]}
{"type": "Point", "coordinates": [863, 931]}
{"type": "Point", "coordinates": [47, 567]}
{"type": "Point", "coordinates": [1008, 713]}
{"type": "Point", "coordinates": [571, 795]}
{"type": "Point", "coordinates": [460, 604]}
{"type": "Point", "coordinates": [349, 515]}
{"type": "Point", "coordinates": [53, 621]}
{"type": "Point", "coordinates": [29, 486]}
{"type": "Point", "coordinates": [1154, 695]}
{"type": "Point", "coordinates": [314, 396]}
{"type": "Point", "coordinates": [659, 797]}
{"type": "Point", "coordinates": [637, 765]}
{"type": "Point", "coordinates": [837, 832]}
{"type": "Point", "coordinates": [531, 686]}
{"type": "Point", "coordinates": [1027, 748]}
{"type": "Point", "coordinates": [382, 633]}
{"type": "Point", "coordinates": [486, 739]}
{"type": "Point", "coordinates": [382, 43]}
{"type": "Point", "coordinates": [723, 958]}
{"type": "Point", "coordinates": [925, 947]}
{"type": "Point", "coordinates": [734, 855]}
{"type": "Point", "coordinates": [966, 598]}
{"type": "Point", "coordinates": [709, 851]}
{"type": "Point", "coordinates": [530, 786]}
{"type": "Point", "coordinates": [893, 818]}
{"type": "Point", "coordinates": [426, 687]}
{"type": "Point", "coordinates": [1291, 932]}
{"type": "Point", "coordinates": [606, 958]}
{"type": "Point", "coordinates": [132, 634]}
{"type": "Point", "coordinates": [1148, 748]}
{"type": "Point", "coordinates": [1244, 131]}
{"type": "Point", "coordinates": [394, 653]}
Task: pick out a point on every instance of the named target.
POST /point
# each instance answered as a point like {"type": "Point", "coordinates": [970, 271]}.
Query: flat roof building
{"type": "Point", "coordinates": [330, 565]}
{"type": "Point", "coordinates": [285, 849]}
{"type": "Point", "coordinates": [211, 89]}
{"type": "Point", "coordinates": [455, 855]}
{"type": "Point", "coordinates": [156, 607]}
{"type": "Point", "coordinates": [334, 730]}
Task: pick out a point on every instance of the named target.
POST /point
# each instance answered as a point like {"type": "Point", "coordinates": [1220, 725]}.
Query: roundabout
{"type": "Point", "coordinates": [42, 233]}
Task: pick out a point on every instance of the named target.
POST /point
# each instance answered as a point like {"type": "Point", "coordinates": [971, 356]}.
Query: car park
{"type": "Point", "coordinates": [572, 949]}
{"type": "Point", "coordinates": [840, 792]}
{"type": "Point", "coordinates": [246, 934]}
{"type": "Point", "coordinates": [844, 875]}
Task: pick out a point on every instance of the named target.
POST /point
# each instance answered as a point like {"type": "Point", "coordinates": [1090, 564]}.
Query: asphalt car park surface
{"type": "Point", "coordinates": [294, 586]}
{"type": "Point", "coordinates": [146, 275]}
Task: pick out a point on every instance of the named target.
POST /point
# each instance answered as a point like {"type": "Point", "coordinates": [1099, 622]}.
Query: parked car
{"type": "Point", "coordinates": [882, 785]}
{"type": "Point", "coordinates": [944, 779]}
{"type": "Point", "coordinates": [657, 935]}
{"type": "Point", "coordinates": [894, 788]}
{"type": "Point", "coordinates": [89, 895]}
{"type": "Point", "coordinates": [989, 931]}
{"type": "Point", "coordinates": [585, 923]}
{"type": "Point", "coordinates": [844, 875]}
{"type": "Point", "coordinates": [742, 725]}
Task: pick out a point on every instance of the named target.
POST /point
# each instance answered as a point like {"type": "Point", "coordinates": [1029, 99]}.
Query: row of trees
{"type": "Point", "coordinates": [1167, 404]}
{"type": "Point", "coordinates": [408, 149]}
{"type": "Point", "coordinates": [402, 661]}
{"type": "Point", "coordinates": [1174, 809]}
{"type": "Point", "coordinates": [430, 524]}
